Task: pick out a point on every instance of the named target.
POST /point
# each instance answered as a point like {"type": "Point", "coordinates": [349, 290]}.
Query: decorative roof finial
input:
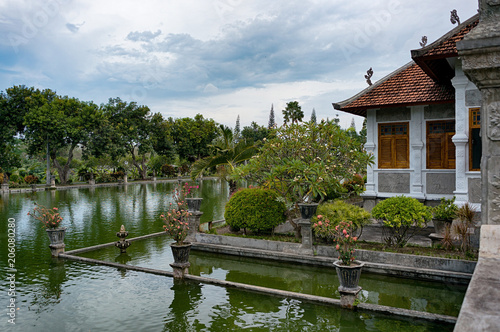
{"type": "Point", "coordinates": [424, 41]}
{"type": "Point", "coordinates": [368, 76]}
{"type": "Point", "coordinates": [454, 17]}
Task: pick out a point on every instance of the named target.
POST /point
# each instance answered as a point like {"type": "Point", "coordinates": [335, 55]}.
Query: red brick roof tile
{"type": "Point", "coordinates": [407, 86]}
{"type": "Point", "coordinates": [446, 46]}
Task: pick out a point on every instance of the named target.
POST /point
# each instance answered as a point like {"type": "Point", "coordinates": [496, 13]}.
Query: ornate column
{"type": "Point", "coordinates": [461, 137]}
{"type": "Point", "coordinates": [417, 145]}
{"type": "Point", "coordinates": [480, 54]}
{"type": "Point", "coordinates": [370, 193]}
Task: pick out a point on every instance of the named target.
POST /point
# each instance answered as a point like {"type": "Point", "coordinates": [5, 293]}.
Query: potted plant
{"type": "Point", "coordinates": [193, 203]}
{"type": "Point", "coordinates": [444, 214]}
{"type": "Point", "coordinates": [348, 269]}
{"type": "Point", "coordinates": [51, 220]}
{"type": "Point", "coordinates": [177, 226]}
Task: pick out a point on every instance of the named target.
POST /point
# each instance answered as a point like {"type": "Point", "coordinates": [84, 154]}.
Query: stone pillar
{"type": "Point", "coordinates": [306, 232]}
{"type": "Point", "coordinates": [461, 137]}
{"type": "Point", "coordinates": [370, 146]}
{"type": "Point", "coordinates": [180, 269]}
{"type": "Point", "coordinates": [480, 54]}
{"type": "Point", "coordinates": [348, 297]}
{"type": "Point", "coordinates": [417, 145]}
{"type": "Point", "coordinates": [52, 181]}
{"type": "Point", "coordinates": [5, 187]}
{"type": "Point", "coordinates": [194, 225]}
{"type": "Point", "coordinates": [125, 179]}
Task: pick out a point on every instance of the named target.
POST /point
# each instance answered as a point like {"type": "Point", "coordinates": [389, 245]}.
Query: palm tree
{"type": "Point", "coordinates": [228, 154]}
{"type": "Point", "coordinates": [293, 113]}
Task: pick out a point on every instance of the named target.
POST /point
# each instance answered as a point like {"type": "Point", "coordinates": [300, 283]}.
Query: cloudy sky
{"type": "Point", "coordinates": [220, 58]}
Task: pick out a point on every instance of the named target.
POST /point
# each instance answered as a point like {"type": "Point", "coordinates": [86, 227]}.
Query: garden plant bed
{"type": "Point", "coordinates": [365, 245]}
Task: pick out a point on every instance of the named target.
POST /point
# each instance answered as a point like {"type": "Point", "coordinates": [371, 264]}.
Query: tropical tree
{"type": "Point", "coordinates": [293, 113]}
{"type": "Point", "coordinates": [65, 123]}
{"type": "Point", "coordinates": [130, 131]}
{"type": "Point", "coordinates": [228, 155]}
{"type": "Point", "coordinates": [15, 103]}
{"type": "Point", "coordinates": [192, 137]}
{"type": "Point", "coordinates": [303, 162]}
{"type": "Point", "coordinates": [254, 132]}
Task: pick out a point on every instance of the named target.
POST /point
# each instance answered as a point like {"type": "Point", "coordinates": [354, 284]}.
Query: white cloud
{"type": "Point", "coordinates": [220, 58]}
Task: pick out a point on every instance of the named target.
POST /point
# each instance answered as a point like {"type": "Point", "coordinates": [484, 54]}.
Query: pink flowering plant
{"type": "Point", "coordinates": [50, 218]}
{"type": "Point", "coordinates": [188, 191]}
{"type": "Point", "coordinates": [176, 221]}
{"type": "Point", "coordinates": [341, 234]}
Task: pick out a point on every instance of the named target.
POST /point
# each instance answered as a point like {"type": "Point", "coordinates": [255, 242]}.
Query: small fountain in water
{"type": "Point", "coordinates": [123, 244]}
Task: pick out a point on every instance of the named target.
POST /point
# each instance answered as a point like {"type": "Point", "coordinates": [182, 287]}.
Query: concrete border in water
{"type": "Point", "coordinates": [384, 310]}
{"type": "Point", "coordinates": [410, 266]}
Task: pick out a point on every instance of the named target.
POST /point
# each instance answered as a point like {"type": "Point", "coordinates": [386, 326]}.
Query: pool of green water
{"type": "Point", "coordinates": [59, 295]}
{"type": "Point", "coordinates": [434, 297]}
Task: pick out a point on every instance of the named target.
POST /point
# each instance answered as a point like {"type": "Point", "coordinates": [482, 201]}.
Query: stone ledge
{"type": "Point", "coordinates": [410, 266]}
{"type": "Point", "coordinates": [480, 307]}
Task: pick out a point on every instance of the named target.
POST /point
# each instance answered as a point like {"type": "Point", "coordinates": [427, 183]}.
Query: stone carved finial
{"type": "Point", "coordinates": [454, 17]}
{"type": "Point", "coordinates": [368, 76]}
{"type": "Point", "coordinates": [424, 41]}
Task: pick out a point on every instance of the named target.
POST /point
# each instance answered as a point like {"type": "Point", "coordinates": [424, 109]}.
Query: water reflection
{"type": "Point", "coordinates": [63, 295]}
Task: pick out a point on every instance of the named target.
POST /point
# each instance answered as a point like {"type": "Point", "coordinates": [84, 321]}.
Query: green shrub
{"type": "Point", "coordinates": [339, 210]}
{"type": "Point", "coordinates": [446, 210]}
{"type": "Point", "coordinates": [255, 209]}
{"type": "Point", "coordinates": [402, 216]}
{"type": "Point", "coordinates": [16, 178]}
{"type": "Point", "coordinates": [168, 170]}
{"type": "Point", "coordinates": [104, 178]}
{"type": "Point", "coordinates": [31, 179]}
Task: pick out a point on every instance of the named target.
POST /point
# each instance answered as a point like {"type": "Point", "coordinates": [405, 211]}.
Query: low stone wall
{"type": "Point", "coordinates": [413, 266]}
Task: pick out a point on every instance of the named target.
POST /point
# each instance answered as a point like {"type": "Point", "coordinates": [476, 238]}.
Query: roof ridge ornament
{"type": "Point", "coordinates": [423, 42]}
{"type": "Point", "coordinates": [368, 76]}
{"type": "Point", "coordinates": [454, 17]}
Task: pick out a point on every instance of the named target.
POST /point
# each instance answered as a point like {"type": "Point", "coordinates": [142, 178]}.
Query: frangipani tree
{"type": "Point", "coordinates": [304, 161]}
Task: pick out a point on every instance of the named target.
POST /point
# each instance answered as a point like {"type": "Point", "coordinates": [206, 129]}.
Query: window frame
{"type": "Point", "coordinates": [393, 139]}
{"type": "Point", "coordinates": [445, 138]}
{"type": "Point", "coordinates": [473, 125]}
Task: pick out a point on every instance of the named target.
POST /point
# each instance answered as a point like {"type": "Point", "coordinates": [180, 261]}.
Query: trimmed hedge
{"type": "Point", "coordinates": [402, 216]}
{"type": "Point", "coordinates": [338, 211]}
{"type": "Point", "coordinates": [255, 209]}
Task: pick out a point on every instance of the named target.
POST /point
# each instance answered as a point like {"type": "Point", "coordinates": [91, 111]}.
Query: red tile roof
{"type": "Point", "coordinates": [408, 85]}
{"type": "Point", "coordinates": [446, 46]}
{"type": "Point", "coordinates": [425, 81]}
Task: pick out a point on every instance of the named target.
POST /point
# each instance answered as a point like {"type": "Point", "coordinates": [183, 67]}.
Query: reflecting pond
{"type": "Point", "coordinates": [58, 295]}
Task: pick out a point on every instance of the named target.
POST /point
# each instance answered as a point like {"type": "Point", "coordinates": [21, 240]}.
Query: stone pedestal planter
{"type": "Point", "coordinates": [349, 279]}
{"type": "Point", "coordinates": [194, 225]}
{"type": "Point", "coordinates": [306, 233]}
{"type": "Point", "coordinates": [194, 204]}
{"type": "Point", "coordinates": [181, 259]}
{"type": "Point", "coordinates": [349, 275]}
{"type": "Point", "coordinates": [440, 225]}
{"type": "Point", "coordinates": [307, 211]}
{"type": "Point", "coordinates": [56, 238]}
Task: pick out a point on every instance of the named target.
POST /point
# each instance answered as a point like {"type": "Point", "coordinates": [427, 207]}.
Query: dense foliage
{"type": "Point", "coordinates": [402, 217]}
{"type": "Point", "coordinates": [446, 210]}
{"type": "Point", "coordinates": [339, 211]}
{"type": "Point", "coordinates": [255, 209]}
